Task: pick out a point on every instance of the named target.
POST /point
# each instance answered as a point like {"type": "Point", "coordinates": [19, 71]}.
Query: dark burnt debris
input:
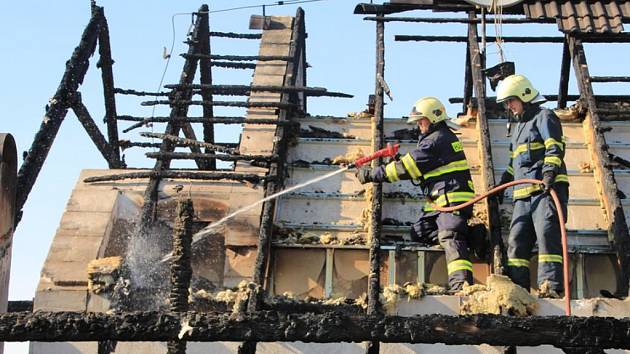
{"type": "Point", "coordinates": [329, 327]}
{"type": "Point", "coordinates": [315, 132]}
{"type": "Point", "coordinates": [405, 134]}
{"type": "Point", "coordinates": [181, 270]}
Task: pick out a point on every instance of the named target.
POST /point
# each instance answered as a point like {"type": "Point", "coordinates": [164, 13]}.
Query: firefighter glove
{"type": "Point", "coordinates": [364, 174]}
{"type": "Point", "coordinates": [548, 179]}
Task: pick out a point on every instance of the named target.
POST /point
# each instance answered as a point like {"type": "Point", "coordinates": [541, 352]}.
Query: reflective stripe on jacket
{"type": "Point", "coordinates": [438, 163]}
{"type": "Point", "coordinates": [537, 146]}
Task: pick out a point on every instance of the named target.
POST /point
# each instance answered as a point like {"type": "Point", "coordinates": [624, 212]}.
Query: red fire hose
{"type": "Point", "coordinates": [563, 230]}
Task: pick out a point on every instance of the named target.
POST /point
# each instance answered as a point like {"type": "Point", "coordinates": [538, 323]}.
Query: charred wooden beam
{"type": "Point", "coordinates": [376, 216]}
{"type": "Point", "coordinates": [468, 82]}
{"type": "Point", "coordinates": [193, 156]}
{"type": "Point", "coordinates": [623, 37]}
{"type": "Point", "coordinates": [236, 35]}
{"type": "Point", "coordinates": [244, 89]}
{"type": "Point", "coordinates": [245, 104]}
{"type": "Point", "coordinates": [188, 142]}
{"type": "Point", "coordinates": [458, 20]}
{"type": "Point", "coordinates": [268, 326]}
{"type": "Point", "coordinates": [107, 76]}
{"type": "Point", "coordinates": [205, 77]}
{"type": "Point", "coordinates": [72, 78]}
{"type": "Point", "coordinates": [477, 60]}
{"type": "Point", "coordinates": [463, 39]}
{"type": "Point", "coordinates": [238, 57]}
{"type": "Point", "coordinates": [240, 90]}
{"type": "Point", "coordinates": [610, 78]}
{"type": "Point", "coordinates": [172, 128]}
{"type": "Point", "coordinates": [276, 169]}
{"type": "Point", "coordinates": [565, 67]}
{"type": "Point", "coordinates": [126, 144]}
{"type": "Point", "coordinates": [20, 306]}
{"type": "Point", "coordinates": [216, 120]}
{"type": "Point", "coordinates": [231, 65]}
{"type": "Point", "coordinates": [94, 133]}
{"type": "Point", "coordinates": [181, 269]}
{"type": "Point", "coordinates": [618, 228]}
{"type": "Point", "coordinates": [599, 98]}
{"type": "Point", "coordinates": [140, 93]}
{"type": "Point", "coordinates": [195, 175]}
{"type": "Point", "coordinates": [302, 67]}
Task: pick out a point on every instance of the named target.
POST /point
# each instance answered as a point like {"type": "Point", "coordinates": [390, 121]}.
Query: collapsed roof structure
{"type": "Point", "coordinates": [105, 284]}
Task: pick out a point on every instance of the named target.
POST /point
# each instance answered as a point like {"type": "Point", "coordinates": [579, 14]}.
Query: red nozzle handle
{"type": "Point", "coordinates": [389, 151]}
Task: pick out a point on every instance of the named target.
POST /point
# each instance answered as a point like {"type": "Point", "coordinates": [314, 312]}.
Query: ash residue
{"type": "Point", "coordinates": [288, 303]}
{"type": "Point", "coordinates": [290, 236]}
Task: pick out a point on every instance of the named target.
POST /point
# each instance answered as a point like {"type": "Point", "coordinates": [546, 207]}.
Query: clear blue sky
{"type": "Point", "coordinates": [37, 38]}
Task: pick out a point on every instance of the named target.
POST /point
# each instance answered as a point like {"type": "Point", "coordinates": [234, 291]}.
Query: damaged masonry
{"type": "Point", "coordinates": [270, 244]}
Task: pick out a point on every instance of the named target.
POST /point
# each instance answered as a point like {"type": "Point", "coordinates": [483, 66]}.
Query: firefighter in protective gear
{"type": "Point", "coordinates": [438, 163]}
{"type": "Point", "coordinates": [536, 151]}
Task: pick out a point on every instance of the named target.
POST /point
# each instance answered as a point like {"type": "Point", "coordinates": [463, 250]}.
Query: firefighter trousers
{"type": "Point", "coordinates": [450, 230]}
{"type": "Point", "coordinates": [535, 219]}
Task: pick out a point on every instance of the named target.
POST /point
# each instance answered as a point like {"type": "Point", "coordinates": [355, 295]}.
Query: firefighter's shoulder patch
{"type": "Point", "coordinates": [457, 146]}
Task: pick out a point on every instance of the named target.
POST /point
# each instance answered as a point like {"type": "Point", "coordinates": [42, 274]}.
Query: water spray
{"type": "Point", "coordinates": [389, 151]}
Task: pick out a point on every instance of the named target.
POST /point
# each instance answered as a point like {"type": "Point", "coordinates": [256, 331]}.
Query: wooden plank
{"type": "Point", "coordinates": [618, 229]}
{"type": "Point", "coordinates": [485, 149]}
{"type": "Point", "coordinates": [563, 89]}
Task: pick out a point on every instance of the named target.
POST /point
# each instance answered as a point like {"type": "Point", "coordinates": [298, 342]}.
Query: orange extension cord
{"type": "Point", "coordinates": [563, 230]}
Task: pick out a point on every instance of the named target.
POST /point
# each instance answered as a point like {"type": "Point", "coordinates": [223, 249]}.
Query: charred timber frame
{"type": "Point", "coordinates": [205, 78]}
{"type": "Point", "coordinates": [246, 89]}
{"type": "Point", "coordinates": [126, 144]}
{"type": "Point", "coordinates": [107, 75]}
{"type": "Point", "coordinates": [219, 120]}
{"type": "Point", "coordinates": [203, 156]}
{"type": "Point", "coordinates": [277, 169]}
{"type": "Point", "coordinates": [181, 269]}
{"type": "Point", "coordinates": [376, 224]}
{"type": "Point", "coordinates": [463, 39]}
{"type": "Point", "coordinates": [72, 78]}
{"type": "Point", "coordinates": [184, 174]}
{"type": "Point", "coordinates": [457, 20]}
{"type": "Point", "coordinates": [618, 228]}
{"type": "Point", "coordinates": [84, 117]}
{"type": "Point", "coordinates": [236, 35]}
{"type": "Point", "coordinates": [172, 128]}
{"type": "Point", "coordinates": [477, 64]}
{"type": "Point", "coordinates": [238, 57]}
{"type": "Point", "coordinates": [565, 68]}
{"type": "Point", "coordinates": [332, 327]}
{"type": "Point", "coordinates": [246, 104]}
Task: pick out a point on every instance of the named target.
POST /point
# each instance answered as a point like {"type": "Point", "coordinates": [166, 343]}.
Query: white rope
{"type": "Point", "coordinates": [497, 8]}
